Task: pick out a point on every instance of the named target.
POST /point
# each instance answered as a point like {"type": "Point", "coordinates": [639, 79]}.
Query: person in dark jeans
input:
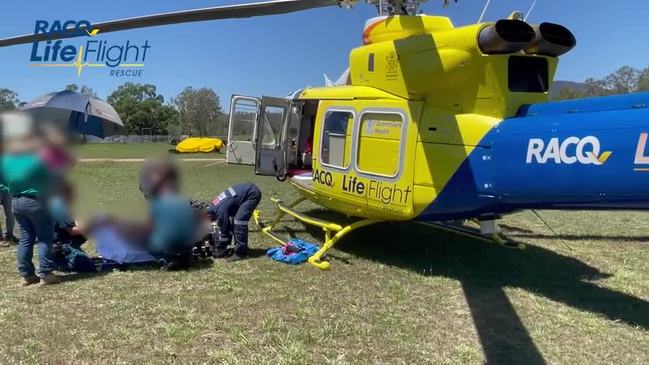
{"type": "Point", "coordinates": [29, 182]}
{"type": "Point", "coordinates": [8, 233]}
{"type": "Point", "coordinates": [232, 210]}
{"type": "Point", "coordinates": [34, 223]}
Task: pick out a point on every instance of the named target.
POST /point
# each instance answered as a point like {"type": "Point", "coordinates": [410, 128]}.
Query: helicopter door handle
{"type": "Point", "coordinates": [276, 169]}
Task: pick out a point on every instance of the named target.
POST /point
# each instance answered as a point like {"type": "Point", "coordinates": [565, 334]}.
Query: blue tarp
{"type": "Point", "coordinates": [294, 252]}
{"type": "Point", "coordinates": [110, 245]}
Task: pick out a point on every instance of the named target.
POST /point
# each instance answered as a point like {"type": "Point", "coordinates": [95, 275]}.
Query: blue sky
{"type": "Point", "coordinates": [279, 54]}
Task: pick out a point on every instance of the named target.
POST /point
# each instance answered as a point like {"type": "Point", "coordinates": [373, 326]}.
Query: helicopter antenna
{"type": "Point", "coordinates": [538, 215]}
{"type": "Point", "coordinates": [484, 11]}
{"type": "Point", "coordinates": [530, 11]}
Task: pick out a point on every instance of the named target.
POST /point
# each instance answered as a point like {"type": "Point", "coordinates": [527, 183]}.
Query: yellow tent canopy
{"type": "Point", "coordinates": [195, 144]}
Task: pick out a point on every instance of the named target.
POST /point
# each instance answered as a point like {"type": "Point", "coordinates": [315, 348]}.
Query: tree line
{"type": "Point", "coordinates": [623, 81]}
{"type": "Point", "coordinates": [195, 111]}
{"type": "Point", "coordinates": [198, 112]}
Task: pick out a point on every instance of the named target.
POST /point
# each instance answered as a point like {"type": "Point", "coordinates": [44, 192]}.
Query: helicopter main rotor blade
{"type": "Point", "coordinates": [220, 12]}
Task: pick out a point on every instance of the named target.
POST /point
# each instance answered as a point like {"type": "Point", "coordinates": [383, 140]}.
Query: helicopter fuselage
{"type": "Point", "coordinates": [440, 123]}
{"type": "Point", "coordinates": [585, 154]}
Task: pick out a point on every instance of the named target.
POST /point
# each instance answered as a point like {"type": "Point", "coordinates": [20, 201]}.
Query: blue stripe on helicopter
{"type": "Point", "coordinates": [583, 154]}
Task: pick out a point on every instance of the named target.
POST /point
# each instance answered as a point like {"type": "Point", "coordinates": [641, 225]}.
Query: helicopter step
{"type": "Point", "coordinates": [488, 232]}
{"type": "Point", "coordinates": [333, 231]}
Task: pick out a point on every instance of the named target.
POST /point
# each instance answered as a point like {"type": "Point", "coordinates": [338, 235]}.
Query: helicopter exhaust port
{"type": "Point", "coordinates": [505, 36]}
{"type": "Point", "coordinates": [551, 40]}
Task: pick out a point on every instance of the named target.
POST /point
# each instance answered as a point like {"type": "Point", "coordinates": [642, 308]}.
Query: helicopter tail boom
{"type": "Point", "coordinates": [587, 154]}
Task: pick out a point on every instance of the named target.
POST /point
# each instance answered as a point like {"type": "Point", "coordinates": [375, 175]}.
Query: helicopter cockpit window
{"type": "Point", "coordinates": [271, 127]}
{"type": "Point", "coordinates": [336, 136]}
{"type": "Point", "coordinates": [528, 74]}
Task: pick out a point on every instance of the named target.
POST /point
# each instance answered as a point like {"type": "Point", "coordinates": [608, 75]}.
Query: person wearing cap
{"type": "Point", "coordinates": [232, 210]}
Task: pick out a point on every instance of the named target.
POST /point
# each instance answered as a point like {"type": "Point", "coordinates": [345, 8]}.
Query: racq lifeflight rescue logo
{"type": "Point", "coordinates": [571, 150]}
{"type": "Point", "coordinates": [123, 60]}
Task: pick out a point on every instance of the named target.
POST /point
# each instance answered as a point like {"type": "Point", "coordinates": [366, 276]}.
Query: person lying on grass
{"type": "Point", "coordinates": [172, 229]}
{"type": "Point", "coordinates": [168, 235]}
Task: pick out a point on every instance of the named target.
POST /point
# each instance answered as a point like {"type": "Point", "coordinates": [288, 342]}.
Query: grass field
{"type": "Point", "coordinates": [118, 151]}
{"type": "Point", "coordinates": [395, 293]}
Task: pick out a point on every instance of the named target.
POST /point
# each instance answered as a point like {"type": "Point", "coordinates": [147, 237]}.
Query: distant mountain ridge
{"type": "Point", "coordinates": [559, 85]}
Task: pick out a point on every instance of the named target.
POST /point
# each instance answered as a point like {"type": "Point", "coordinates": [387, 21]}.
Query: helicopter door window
{"type": "Point", "coordinates": [245, 114]}
{"type": "Point", "coordinates": [380, 134]}
{"type": "Point", "coordinates": [271, 126]}
{"type": "Point", "coordinates": [336, 137]}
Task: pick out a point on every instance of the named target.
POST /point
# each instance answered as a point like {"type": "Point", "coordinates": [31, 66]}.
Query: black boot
{"type": "Point", "coordinates": [221, 253]}
{"type": "Point", "coordinates": [240, 253]}
{"type": "Point", "coordinates": [237, 257]}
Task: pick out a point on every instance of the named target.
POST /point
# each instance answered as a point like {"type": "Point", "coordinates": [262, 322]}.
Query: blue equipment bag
{"type": "Point", "coordinates": [294, 252]}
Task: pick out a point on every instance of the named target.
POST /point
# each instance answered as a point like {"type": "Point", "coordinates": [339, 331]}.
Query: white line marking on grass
{"type": "Point", "coordinates": [215, 163]}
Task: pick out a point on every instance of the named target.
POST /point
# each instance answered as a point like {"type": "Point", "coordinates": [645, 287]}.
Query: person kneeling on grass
{"type": "Point", "coordinates": [173, 223]}
{"type": "Point", "coordinates": [167, 237]}
{"type": "Point", "coordinates": [173, 230]}
{"type": "Point", "coordinates": [232, 210]}
{"type": "Point", "coordinates": [68, 234]}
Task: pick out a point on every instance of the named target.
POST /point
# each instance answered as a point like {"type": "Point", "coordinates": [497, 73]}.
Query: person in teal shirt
{"type": "Point", "coordinates": [173, 223]}
{"type": "Point", "coordinates": [28, 180]}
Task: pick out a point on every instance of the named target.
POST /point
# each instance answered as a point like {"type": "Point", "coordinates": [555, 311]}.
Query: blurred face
{"type": "Point", "coordinates": [54, 136]}
{"type": "Point", "coordinates": [67, 192]}
{"type": "Point", "coordinates": [18, 133]}
{"type": "Point", "coordinates": [23, 144]}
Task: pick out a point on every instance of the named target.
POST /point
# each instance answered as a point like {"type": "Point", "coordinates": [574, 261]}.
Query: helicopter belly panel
{"type": "Point", "coordinates": [455, 175]}
{"type": "Point", "coordinates": [458, 181]}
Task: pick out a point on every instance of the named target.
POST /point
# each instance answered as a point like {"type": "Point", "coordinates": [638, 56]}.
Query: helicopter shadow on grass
{"type": "Point", "coordinates": [484, 270]}
{"type": "Point", "coordinates": [516, 232]}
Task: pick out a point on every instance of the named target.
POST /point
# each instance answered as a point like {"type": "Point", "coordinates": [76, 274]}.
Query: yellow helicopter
{"type": "Point", "coordinates": [432, 123]}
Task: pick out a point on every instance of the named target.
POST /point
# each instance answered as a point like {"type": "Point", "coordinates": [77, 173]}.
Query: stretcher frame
{"type": "Point", "coordinates": [333, 232]}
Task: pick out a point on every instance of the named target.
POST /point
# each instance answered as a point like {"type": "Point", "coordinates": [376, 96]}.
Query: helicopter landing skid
{"type": "Point", "coordinates": [476, 234]}
{"type": "Point", "coordinates": [333, 231]}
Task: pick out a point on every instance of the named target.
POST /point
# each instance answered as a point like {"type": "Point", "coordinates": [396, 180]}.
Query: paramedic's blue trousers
{"type": "Point", "coordinates": [239, 225]}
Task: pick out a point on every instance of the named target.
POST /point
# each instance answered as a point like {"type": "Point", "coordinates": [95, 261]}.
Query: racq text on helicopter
{"type": "Point", "coordinates": [433, 123]}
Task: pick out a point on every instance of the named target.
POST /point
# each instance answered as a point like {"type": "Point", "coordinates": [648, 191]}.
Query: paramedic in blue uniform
{"type": "Point", "coordinates": [232, 210]}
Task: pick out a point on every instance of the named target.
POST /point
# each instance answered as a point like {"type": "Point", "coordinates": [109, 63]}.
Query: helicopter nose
{"type": "Point", "coordinates": [551, 40]}
{"type": "Point", "coordinates": [505, 36]}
